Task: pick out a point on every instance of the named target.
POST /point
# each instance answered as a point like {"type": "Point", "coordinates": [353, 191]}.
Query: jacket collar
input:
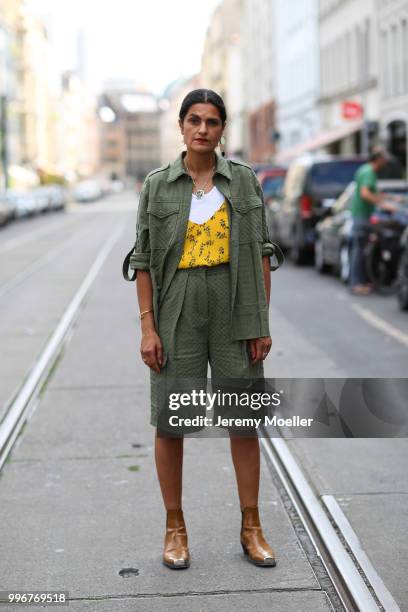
{"type": "Point", "coordinates": [177, 167]}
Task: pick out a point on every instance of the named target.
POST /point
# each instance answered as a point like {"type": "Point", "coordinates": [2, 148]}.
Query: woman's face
{"type": "Point", "coordinates": [202, 127]}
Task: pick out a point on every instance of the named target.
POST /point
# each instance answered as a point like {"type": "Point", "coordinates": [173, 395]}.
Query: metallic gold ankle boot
{"type": "Point", "coordinates": [176, 554]}
{"type": "Point", "coordinates": [252, 540]}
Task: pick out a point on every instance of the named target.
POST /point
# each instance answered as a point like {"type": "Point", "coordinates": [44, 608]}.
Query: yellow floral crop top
{"type": "Point", "coordinates": [207, 244]}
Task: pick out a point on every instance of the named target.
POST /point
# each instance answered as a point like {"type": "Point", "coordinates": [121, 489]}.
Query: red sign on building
{"type": "Point", "coordinates": [351, 110]}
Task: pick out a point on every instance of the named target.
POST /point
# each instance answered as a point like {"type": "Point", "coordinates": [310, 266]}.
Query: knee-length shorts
{"type": "Point", "coordinates": [194, 328]}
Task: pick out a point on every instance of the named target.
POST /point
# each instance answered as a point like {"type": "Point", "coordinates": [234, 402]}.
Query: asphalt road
{"type": "Point", "coordinates": [67, 486]}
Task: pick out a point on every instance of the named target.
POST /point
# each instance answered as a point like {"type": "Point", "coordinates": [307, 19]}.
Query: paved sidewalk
{"type": "Point", "coordinates": [81, 501]}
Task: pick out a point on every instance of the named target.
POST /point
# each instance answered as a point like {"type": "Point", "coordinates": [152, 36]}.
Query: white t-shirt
{"type": "Point", "coordinates": [203, 209]}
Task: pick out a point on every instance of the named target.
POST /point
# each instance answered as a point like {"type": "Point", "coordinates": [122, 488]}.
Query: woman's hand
{"type": "Point", "coordinates": [259, 348]}
{"type": "Point", "coordinates": [151, 350]}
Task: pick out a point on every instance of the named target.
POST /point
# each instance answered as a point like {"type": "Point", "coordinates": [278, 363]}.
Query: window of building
{"type": "Point", "coordinates": [354, 56]}
{"type": "Point", "coordinates": [367, 48]}
{"type": "Point", "coordinates": [325, 72]}
{"type": "Point", "coordinates": [344, 67]}
{"type": "Point", "coordinates": [337, 63]}
{"type": "Point", "coordinates": [359, 55]}
{"type": "Point", "coordinates": [404, 52]}
{"type": "Point", "coordinates": [348, 59]}
{"type": "Point", "coordinates": [385, 72]}
{"type": "Point", "coordinates": [330, 63]}
{"type": "Point", "coordinates": [322, 69]}
{"type": "Point", "coordinates": [395, 61]}
{"type": "Point", "coordinates": [339, 59]}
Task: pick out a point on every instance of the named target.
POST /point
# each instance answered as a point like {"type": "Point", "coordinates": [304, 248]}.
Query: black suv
{"type": "Point", "coordinates": [311, 186]}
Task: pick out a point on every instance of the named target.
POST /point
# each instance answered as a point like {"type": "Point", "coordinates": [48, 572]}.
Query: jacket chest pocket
{"type": "Point", "coordinates": [163, 218]}
{"type": "Point", "coordinates": [250, 219]}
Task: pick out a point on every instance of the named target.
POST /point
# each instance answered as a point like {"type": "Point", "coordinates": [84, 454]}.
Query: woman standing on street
{"type": "Point", "coordinates": [202, 262]}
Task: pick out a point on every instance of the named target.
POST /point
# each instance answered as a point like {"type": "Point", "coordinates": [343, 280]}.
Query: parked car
{"type": "Point", "coordinates": [333, 234]}
{"type": "Point", "coordinates": [88, 191]}
{"type": "Point", "coordinates": [42, 198]}
{"type": "Point", "coordinates": [311, 186]}
{"type": "Point", "coordinates": [23, 202]}
{"type": "Point", "coordinates": [116, 186]}
{"type": "Point", "coordinates": [271, 179]}
{"type": "Point", "coordinates": [402, 273]}
{"type": "Point", "coordinates": [7, 209]}
{"type": "Point", "coordinates": [57, 196]}
{"type": "Point", "coordinates": [257, 168]}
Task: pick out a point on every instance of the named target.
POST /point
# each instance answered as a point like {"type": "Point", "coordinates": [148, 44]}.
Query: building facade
{"type": "Point", "coordinates": [297, 71]}
{"type": "Point", "coordinates": [222, 66]}
{"type": "Point", "coordinates": [349, 97]}
{"type": "Point", "coordinates": [259, 80]}
{"type": "Point", "coordinates": [77, 125]}
{"type": "Point", "coordinates": [236, 138]}
{"type": "Point", "coordinates": [35, 103]}
{"type": "Point", "coordinates": [392, 27]}
{"type": "Point", "coordinates": [11, 12]}
{"type": "Point", "coordinates": [129, 133]}
{"type": "Point", "coordinates": [171, 143]}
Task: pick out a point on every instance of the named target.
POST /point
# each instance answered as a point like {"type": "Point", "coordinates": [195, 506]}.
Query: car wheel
{"type": "Point", "coordinates": [297, 254]}
{"type": "Point", "coordinates": [402, 286]}
{"type": "Point", "coordinates": [344, 263]}
{"type": "Point", "coordinates": [320, 265]}
{"type": "Point", "coordinates": [380, 271]}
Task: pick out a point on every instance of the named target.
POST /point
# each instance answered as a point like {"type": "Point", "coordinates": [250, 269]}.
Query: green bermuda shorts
{"type": "Point", "coordinates": [194, 330]}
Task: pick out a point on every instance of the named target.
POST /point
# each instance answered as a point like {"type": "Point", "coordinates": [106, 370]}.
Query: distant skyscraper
{"type": "Point", "coordinates": [81, 55]}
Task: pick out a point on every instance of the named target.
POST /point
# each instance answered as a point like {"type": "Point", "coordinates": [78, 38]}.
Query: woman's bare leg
{"type": "Point", "coordinates": [169, 465]}
{"type": "Point", "coordinates": [246, 458]}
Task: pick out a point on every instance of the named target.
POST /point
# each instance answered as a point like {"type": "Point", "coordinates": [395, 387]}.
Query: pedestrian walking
{"type": "Point", "coordinates": [365, 199]}
{"type": "Point", "coordinates": [202, 262]}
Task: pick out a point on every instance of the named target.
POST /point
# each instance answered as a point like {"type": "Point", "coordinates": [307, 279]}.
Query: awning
{"type": "Point", "coordinates": [321, 140]}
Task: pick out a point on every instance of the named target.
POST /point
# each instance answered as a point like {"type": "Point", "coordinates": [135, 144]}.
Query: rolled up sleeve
{"type": "Point", "coordinates": [138, 258]}
{"type": "Point", "coordinates": [269, 249]}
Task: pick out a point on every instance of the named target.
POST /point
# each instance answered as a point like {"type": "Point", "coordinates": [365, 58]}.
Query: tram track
{"type": "Point", "coordinates": [23, 404]}
{"type": "Point", "coordinates": [43, 260]}
{"type": "Point", "coordinates": [32, 234]}
{"type": "Point", "coordinates": [356, 586]}
{"type": "Point", "coordinates": [352, 583]}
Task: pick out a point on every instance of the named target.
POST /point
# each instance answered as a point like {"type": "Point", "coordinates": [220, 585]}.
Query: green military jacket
{"type": "Point", "coordinates": [164, 207]}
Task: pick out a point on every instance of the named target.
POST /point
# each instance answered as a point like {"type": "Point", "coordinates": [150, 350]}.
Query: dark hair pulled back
{"type": "Point", "coordinates": [198, 96]}
{"type": "Point", "coordinates": [378, 154]}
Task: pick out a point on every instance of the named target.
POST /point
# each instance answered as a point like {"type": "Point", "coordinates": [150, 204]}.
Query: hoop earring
{"type": "Point", "coordinates": [221, 145]}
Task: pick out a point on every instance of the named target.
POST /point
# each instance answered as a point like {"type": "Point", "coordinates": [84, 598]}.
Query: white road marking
{"type": "Point", "coordinates": [381, 324]}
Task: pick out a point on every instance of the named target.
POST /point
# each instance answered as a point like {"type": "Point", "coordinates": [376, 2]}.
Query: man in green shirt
{"type": "Point", "coordinates": [366, 198]}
